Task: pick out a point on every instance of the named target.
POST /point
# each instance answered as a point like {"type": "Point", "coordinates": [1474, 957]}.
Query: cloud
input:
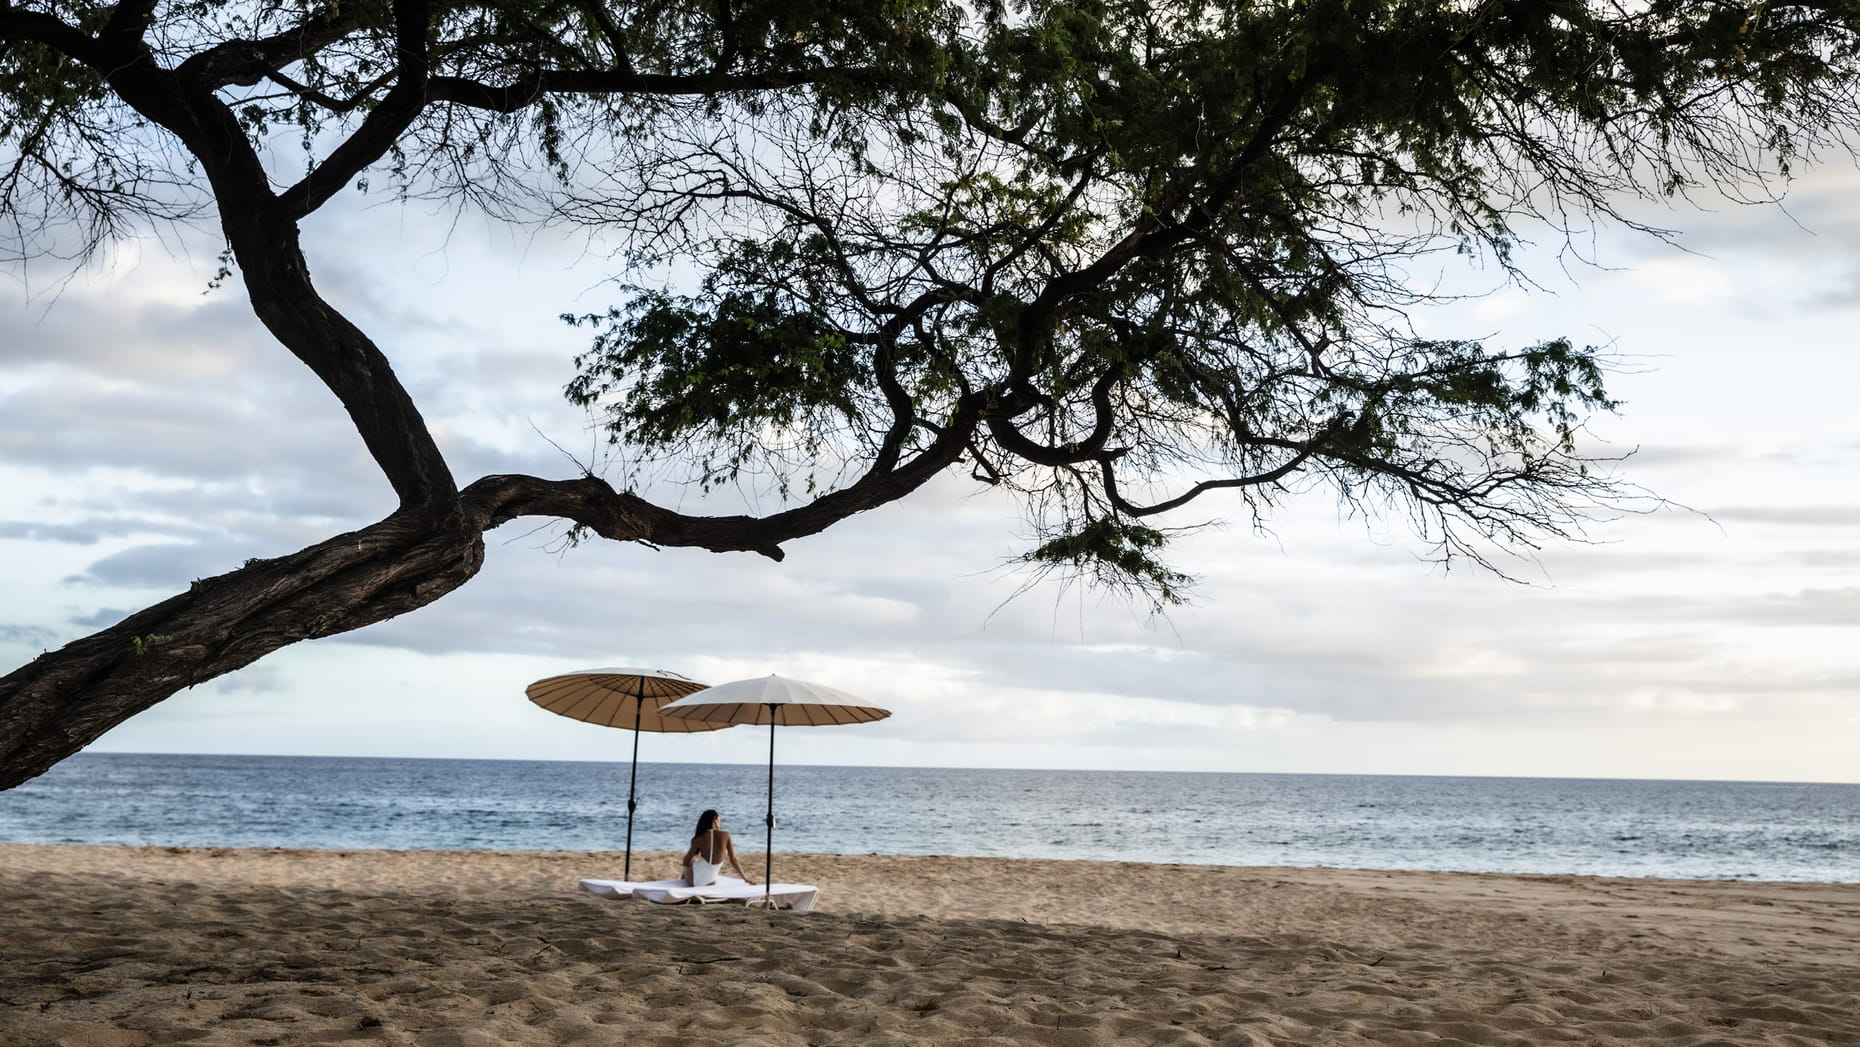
{"type": "Point", "coordinates": [174, 440]}
{"type": "Point", "coordinates": [169, 566]}
{"type": "Point", "coordinates": [27, 635]}
{"type": "Point", "coordinates": [255, 679]}
{"type": "Point", "coordinates": [1826, 559]}
{"type": "Point", "coordinates": [1793, 515]}
{"type": "Point", "coordinates": [102, 618]}
{"type": "Point", "coordinates": [1837, 608]}
{"type": "Point", "coordinates": [89, 532]}
{"type": "Point", "coordinates": [1785, 257]}
{"type": "Point", "coordinates": [130, 330]}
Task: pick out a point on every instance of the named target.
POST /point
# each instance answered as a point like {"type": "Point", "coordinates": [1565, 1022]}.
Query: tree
{"type": "Point", "coordinates": [1116, 257]}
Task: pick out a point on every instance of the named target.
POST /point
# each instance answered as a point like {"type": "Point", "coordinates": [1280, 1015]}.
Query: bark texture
{"type": "Point", "coordinates": [65, 699]}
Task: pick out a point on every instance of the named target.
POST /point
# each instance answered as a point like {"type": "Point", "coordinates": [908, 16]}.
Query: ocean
{"type": "Point", "coordinates": [1681, 829]}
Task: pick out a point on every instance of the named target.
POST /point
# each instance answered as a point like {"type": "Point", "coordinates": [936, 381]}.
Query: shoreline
{"type": "Point", "coordinates": [118, 946]}
{"type": "Point", "coordinates": [517, 852]}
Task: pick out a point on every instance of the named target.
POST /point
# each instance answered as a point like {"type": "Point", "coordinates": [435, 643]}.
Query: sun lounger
{"type": "Point", "coordinates": [797, 896]}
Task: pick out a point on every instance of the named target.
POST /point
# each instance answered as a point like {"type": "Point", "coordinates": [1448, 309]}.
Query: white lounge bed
{"type": "Point", "coordinates": [797, 896]}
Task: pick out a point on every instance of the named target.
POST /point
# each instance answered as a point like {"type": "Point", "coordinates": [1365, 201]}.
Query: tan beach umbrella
{"type": "Point", "coordinates": [773, 700]}
{"type": "Point", "coordinates": [628, 698]}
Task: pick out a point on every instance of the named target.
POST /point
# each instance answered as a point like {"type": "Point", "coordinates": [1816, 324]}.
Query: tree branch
{"type": "Point", "coordinates": [384, 125]}
{"type": "Point", "coordinates": [65, 699]}
{"type": "Point", "coordinates": [16, 24]}
{"type": "Point", "coordinates": [1108, 479]}
{"type": "Point", "coordinates": [266, 243]}
{"type": "Point", "coordinates": [522, 92]}
{"type": "Point", "coordinates": [246, 62]}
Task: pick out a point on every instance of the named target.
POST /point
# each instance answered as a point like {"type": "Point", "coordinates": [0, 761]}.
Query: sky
{"type": "Point", "coordinates": [152, 433]}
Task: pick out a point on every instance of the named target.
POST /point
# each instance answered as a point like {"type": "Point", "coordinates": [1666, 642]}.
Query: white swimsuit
{"type": "Point", "coordinates": [703, 872]}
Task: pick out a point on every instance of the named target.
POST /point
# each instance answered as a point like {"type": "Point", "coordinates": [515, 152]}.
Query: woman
{"type": "Point", "coordinates": [709, 850]}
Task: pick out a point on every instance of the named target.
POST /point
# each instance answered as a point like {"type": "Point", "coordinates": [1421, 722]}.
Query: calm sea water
{"type": "Point", "coordinates": [1692, 830]}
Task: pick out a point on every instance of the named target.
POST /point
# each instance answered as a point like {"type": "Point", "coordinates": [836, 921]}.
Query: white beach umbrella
{"type": "Point", "coordinates": [772, 700]}
{"type": "Point", "coordinates": [627, 698]}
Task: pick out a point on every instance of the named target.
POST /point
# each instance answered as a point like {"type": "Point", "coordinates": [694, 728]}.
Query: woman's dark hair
{"type": "Point", "coordinates": [706, 822]}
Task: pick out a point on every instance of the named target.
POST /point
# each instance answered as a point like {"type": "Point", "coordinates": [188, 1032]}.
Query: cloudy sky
{"type": "Point", "coordinates": [151, 433]}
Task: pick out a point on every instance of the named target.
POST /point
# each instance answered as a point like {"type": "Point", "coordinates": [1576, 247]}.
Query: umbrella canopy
{"type": "Point", "coordinates": [772, 700]}
{"type": "Point", "coordinates": [628, 698]}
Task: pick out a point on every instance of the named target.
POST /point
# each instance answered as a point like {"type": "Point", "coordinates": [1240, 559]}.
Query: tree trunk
{"type": "Point", "coordinates": [65, 699]}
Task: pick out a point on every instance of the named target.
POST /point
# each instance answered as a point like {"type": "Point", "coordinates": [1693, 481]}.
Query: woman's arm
{"type": "Point", "coordinates": [729, 849]}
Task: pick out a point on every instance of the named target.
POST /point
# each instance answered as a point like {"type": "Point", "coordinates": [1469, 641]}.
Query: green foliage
{"type": "Point", "coordinates": [736, 362]}
{"type": "Point", "coordinates": [724, 370]}
{"type": "Point", "coordinates": [140, 646]}
{"type": "Point", "coordinates": [1165, 249]}
{"type": "Point", "coordinates": [1115, 555]}
{"type": "Point", "coordinates": [1113, 256]}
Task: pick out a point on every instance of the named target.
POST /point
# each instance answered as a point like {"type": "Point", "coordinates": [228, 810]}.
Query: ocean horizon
{"type": "Point", "coordinates": [1711, 830]}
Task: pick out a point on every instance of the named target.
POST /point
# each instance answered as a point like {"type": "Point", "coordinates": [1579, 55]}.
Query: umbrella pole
{"type": "Point", "coordinates": [632, 783]}
{"type": "Point", "coordinates": [768, 843]}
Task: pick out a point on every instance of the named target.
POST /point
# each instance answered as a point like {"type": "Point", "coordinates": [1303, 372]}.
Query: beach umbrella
{"type": "Point", "coordinates": [628, 698]}
{"type": "Point", "coordinates": [772, 700]}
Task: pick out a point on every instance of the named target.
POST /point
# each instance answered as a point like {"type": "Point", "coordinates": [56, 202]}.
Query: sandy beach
{"type": "Point", "coordinates": [121, 947]}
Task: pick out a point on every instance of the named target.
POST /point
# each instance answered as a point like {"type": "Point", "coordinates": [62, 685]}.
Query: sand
{"type": "Point", "coordinates": [125, 946]}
